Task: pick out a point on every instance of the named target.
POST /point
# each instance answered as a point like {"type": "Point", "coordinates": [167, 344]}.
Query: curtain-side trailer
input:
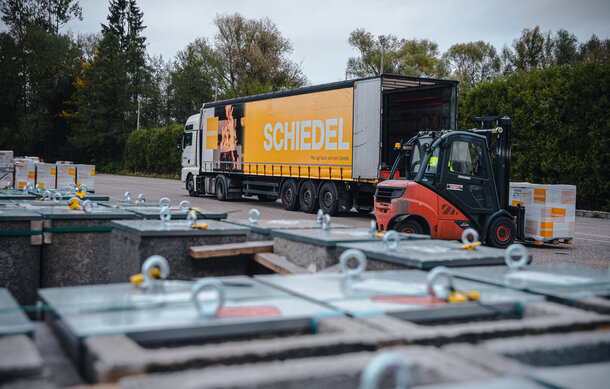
{"type": "Point", "coordinates": [322, 146]}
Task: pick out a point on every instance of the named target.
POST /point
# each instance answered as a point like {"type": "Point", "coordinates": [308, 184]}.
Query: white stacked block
{"type": "Point", "coordinates": [46, 174]}
{"type": "Point", "coordinates": [85, 174]}
{"type": "Point", "coordinates": [25, 171]}
{"type": "Point", "coordinates": [549, 209]}
{"type": "Point", "coordinates": [7, 167]}
{"type": "Point", "coordinates": [66, 175]}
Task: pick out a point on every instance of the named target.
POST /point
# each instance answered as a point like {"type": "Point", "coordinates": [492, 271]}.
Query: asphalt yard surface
{"type": "Point", "coordinates": [590, 246]}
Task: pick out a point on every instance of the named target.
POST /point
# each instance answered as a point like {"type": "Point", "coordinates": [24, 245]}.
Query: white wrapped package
{"type": "Point", "coordinates": [25, 171]}
{"type": "Point", "coordinates": [6, 159]}
{"type": "Point", "coordinates": [66, 175]}
{"type": "Point", "coordinates": [85, 174]}
{"type": "Point", "coordinates": [549, 209]}
{"type": "Point", "coordinates": [46, 174]}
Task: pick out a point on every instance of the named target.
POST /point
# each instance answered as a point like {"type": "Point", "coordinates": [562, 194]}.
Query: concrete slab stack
{"type": "Point", "coordinates": [76, 245]}
{"type": "Point", "coordinates": [569, 284]}
{"type": "Point", "coordinates": [135, 240]}
{"type": "Point", "coordinates": [427, 254]}
{"type": "Point", "coordinates": [46, 175]}
{"type": "Point", "coordinates": [20, 253]}
{"type": "Point", "coordinates": [85, 175]}
{"type": "Point", "coordinates": [316, 249]}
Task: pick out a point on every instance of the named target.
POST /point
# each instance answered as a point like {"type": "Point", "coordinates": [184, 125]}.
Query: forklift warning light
{"type": "Point", "coordinates": [396, 146]}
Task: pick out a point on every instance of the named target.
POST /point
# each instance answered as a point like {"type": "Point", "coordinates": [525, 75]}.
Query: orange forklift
{"type": "Point", "coordinates": [453, 180]}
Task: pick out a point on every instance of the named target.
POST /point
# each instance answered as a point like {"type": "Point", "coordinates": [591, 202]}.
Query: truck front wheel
{"type": "Point", "coordinates": [221, 188]}
{"type": "Point", "coordinates": [190, 186]}
{"type": "Point", "coordinates": [288, 194]}
{"type": "Point", "coordinates": [307, 197]}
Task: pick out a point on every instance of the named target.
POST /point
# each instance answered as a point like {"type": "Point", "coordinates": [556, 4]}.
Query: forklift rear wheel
{"type": "Point", "coordinates": [501, 232]}
{"type": "Point", "coordinates": [409, 226]}
{"type": "Point", "coordinates": [307, 197]}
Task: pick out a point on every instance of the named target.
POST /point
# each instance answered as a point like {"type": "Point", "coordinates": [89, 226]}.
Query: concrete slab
{"type": "Point", "coordinates": [77, 245]}
{"type": "Point", "coordinates": [426, 365]}
{"type": "Point", "coordinates": [18, 358]}
{"type": "Point", "coordinates": [261, 230]}
{"type": "Point", "coordinates": [135, 240]}
{"type": "Point", "coordinates": [427, 254]}
{"type": "Point", "coordinates": [575, 360]}
{"type": "Point", "coordinates": [566, 283]}
{"type": "Point", "coordinates": [12, 319]}
{"type": "Point", "coordinates": [316, 249]}
{"type": "Point", "coordinates": [20, 253]}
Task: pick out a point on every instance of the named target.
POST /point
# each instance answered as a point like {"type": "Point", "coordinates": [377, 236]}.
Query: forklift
{"type": "Point", "coordinates": [450, 181]}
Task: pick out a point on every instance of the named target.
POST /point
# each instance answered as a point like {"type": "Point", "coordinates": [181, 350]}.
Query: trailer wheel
{"type": "Point", "coordinates": [221, 188]}
{"type": "Point", "coordinates": [501, 232]}
{"type": "Point", "coordinates": [329, 198]}
{"type": "Point", "coordinates": [288, 194]}
{"type": "Point", "coordinates": [190, 186]}
{"type": "Point", "coordinates": [409, 226]}
{"type": "Point", "coordinates": [307, 197]}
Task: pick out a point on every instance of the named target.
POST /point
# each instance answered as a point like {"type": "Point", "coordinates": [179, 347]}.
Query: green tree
{"type": "Point", "coordinates": [252, 57]}
{"type": "Point", "coordinates": [369, 61]}
{"type": "Point", "coordinates": [472, 63]}
{"type": "Point", "coordinates": [40, 66]}
{"type": "Point", "coordinates": [418, 58]}
{"type": "Point", "coordinates": [110, 87]}
{"type": "Point", "coordinates": [192, 79]}
{"type": "Point", "coordinates": [565, 48]}
{"type": "Point", "coordinates": [533, 50]}
{"type": "Point", "coordinates": [595, 50]}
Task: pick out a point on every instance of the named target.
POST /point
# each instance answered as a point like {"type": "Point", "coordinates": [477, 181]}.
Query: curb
{"type": "Point", "coordinates": [593, 214]}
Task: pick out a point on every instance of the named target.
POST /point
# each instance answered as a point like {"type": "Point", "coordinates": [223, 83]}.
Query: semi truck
{"type": "Point", "coordinates": [318, 147]}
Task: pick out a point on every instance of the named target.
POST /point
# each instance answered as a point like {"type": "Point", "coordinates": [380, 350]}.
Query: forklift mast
{"type": "Point", "coordinates": [500, 145]}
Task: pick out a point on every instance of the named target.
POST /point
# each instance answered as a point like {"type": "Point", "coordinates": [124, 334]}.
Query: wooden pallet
{"type": "Point", "coordinates": [553, 241]}
{"type": "Point", "coordinates": [230, 249]}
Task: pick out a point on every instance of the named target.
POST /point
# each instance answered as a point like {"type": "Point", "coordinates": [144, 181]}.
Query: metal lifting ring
{"type": "Point", "coordinates": [87, 206]}
{"type": "Point", "coordinates": [27, 187]}
{"type": "Point", "coordinates": [46, 195]}
{"type": "Point", "coordinates": [165, 214]}
{"type": "Point", "coordinates": [358, 256]}
{"type": "Point", "coordinates": [165, 202]}
{"type": "Point", "coordinates": [37, 188]}
{"type": "Point", "coordinates": [254, 216]}
{"type": "Point", "coordinates": [185, 206]}
{"type": "Point", "coordinates": [127, 197]}
{"type": "Point", "coordinates": [191, 217]}
{"type": "Point", "coordinates": [326, 222]}
{"type": "Point", "coordinates": [433, 276]}
{"type": "Point", "coordinates": [149, 264]}
{"type": "Point", "coordinates": [72, 187]}
{"type": "Point", "coordinates": [320, 216]}
{"type": "Point", "coordinates": [382, 364]}
{"type": "Point", "coordinates": [516, 249]}
{"type": "Point", "coordinates": [141, 198]}
{"type": "Point", "coordinates": [57, 197]}
{"type": "Point", "coordinates": [82, 188]}
{"type": "Point", "coordinates": [208, 283]}
{"type": "Point", "coordinates": [373, 228]}
{"type": "Point", "coordinates": [391, 239]}
{"type": "Point", "coordinates": [467, 232]}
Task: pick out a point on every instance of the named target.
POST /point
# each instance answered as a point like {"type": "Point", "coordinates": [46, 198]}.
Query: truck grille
{"type": "Point", "coordinates": [386, 194]}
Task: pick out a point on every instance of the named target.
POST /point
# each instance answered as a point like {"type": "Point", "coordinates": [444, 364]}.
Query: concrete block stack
{"type": "Point", "coordinates": [66, 175]}
{"type": "Point", "coordinates": [25, 171]}
{"type": "Point", "coordinates": [46, 175]}
{"type": "Point", "coordinates": [549, 210]}
{"type": "Point", "coordinates": [6, 167]}
{"type": "Point", "coordinates": [85, 175]}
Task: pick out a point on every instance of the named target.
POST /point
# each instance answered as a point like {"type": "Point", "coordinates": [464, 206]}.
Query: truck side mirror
{"type": "Point", "coordinates": [179, 142]}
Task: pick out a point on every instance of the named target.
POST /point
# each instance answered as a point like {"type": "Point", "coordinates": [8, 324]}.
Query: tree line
{"type": "Point", "coordinates": [82, 97]}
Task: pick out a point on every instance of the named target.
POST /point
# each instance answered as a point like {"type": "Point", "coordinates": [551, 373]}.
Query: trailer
{"type": "Point", "coordinates": [322, 146]}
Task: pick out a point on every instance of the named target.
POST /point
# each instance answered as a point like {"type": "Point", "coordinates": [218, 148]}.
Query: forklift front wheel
{"type": "Point", "coordinates": [501, 232]}
{"type": "Point", "coordinates": [409, 226]}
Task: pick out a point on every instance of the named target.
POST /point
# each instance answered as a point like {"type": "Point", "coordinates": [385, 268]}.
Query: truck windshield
{"type": "Point", "coordinates": [418, 157]}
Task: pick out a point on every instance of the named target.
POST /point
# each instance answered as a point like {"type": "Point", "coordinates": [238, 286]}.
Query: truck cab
{"type": "Point", "coordinates": [449, 185]}
{"type": "Point", "coordinates": [188, 143]}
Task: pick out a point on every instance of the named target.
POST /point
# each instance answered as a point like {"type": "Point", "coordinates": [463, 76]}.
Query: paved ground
{"type": "Point", "coordinates": [591, 244]}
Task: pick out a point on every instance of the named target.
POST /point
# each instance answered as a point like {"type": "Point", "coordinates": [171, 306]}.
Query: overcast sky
{"type": "Point", "coordinates": [318, 30]}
